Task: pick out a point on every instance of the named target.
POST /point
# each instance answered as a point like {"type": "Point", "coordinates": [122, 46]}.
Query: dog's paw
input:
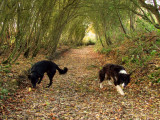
{"type": "Point", "coordinates": [122, 94]}
{"type": "Point", "coordinates": [101, 86]}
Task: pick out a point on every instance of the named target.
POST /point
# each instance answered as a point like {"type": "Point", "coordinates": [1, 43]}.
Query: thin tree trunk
{"type": "Point", "coordinates": [37, 43]}
{"type": "Point", "coordinates": [105, 30]}
{"type": "Point", "coordinates": [122, 26]}
{"type": "Point", "coordinates": [153, 21]}
{"type": "Point", "coordinates": [132, 21]}
{"type": "Point", "coordinates": [4, 22]}
{"type": "Point", "coordinates": [107, 40]}
{"type": "Point", "coordinates": [17, 38]}
{"type": "Point", "coordinates": [98, 37]}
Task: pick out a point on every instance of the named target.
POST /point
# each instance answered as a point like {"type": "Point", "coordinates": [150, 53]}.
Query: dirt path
{"type": "Point", "coordinates": [76, 95]}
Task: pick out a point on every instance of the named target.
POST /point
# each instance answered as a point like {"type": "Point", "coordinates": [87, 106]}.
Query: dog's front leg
{"type": "Point", "coordinates": [40, 79]}
{"type": "Point", "coordinates": [119, 89]}
{"type": "Point", "coordinates": [116, 83]}
{"type": "Point", "coordinates": [101, 86]}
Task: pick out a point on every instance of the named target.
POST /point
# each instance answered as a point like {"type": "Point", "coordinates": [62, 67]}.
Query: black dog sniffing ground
{"type": "Point", "coordinates": [38, 69]}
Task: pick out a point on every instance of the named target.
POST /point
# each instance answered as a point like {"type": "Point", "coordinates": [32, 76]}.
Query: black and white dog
{"type": "Point", "coordinates": [117, 73]}
{"type": "Point", "coordinates": [38, 69]}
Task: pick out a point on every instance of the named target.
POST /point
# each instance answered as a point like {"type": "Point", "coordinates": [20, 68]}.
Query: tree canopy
{"type": "Point", "coordinates": [28, 26]}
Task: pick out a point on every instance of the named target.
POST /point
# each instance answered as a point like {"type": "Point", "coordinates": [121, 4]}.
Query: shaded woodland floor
{"type": "Point", "coordinates": [76, 95]}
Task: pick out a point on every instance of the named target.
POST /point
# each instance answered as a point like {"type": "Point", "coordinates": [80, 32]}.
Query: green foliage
{"type": "Point", "coordinates": [4, 92]}
{"type": "Point", "coordinates": [5, 68]}
{"type": "Point", "coordinates": [143, 25]}
{"type": "Point", "coordinates": [140, 54]}
{"type": "Point", "coordinates": [46, 23]}
{"type": "Point", "coordinates": [155, 76]}
{"type": "Point", "coordinates": [90, 67]}
{"type": "Point", "coordinates": [74, 33]}
{"type": "Point", "coordinates": [4, 47]}
{"type": "Point", "coordinates": [105, 51]}
{"type": "Point", "coordinates": [89, 42]}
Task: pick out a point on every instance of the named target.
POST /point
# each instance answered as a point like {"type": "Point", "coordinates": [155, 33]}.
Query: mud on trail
{"type": "Point", "coordinates": [76, 95]}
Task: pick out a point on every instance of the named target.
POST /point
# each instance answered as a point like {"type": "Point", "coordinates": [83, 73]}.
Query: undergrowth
{"type": "Point", "coordinates": [3, 90]}
{"type": "Point", "coordinates": [9, 82]}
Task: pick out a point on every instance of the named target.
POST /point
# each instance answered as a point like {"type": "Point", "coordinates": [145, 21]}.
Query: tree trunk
{"type": "Point", "coordinates": [98, 37]}
{"type": "Point", "coordinates": [108, 40]}
{"type": "Point", "coordinates": [153, 9]}
{"type": "Point", "coordinates": [132, 21]}
{"type": "Point", "coordinates": [17, 38]}
{"type": "Point", "coordinates": [122, 26]}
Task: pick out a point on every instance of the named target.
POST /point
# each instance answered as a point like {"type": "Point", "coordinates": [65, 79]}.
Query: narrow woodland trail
{"type": "Point", "coordinates": [76, 95]}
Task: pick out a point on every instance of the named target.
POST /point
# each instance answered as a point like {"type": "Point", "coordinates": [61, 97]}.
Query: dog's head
{"type": "Point", "coordinates": [125, 79]}
{"type": "Point", "coordinates": [34, 79]}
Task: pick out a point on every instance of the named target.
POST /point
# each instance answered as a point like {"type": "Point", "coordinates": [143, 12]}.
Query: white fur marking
{"type": "Point", "coordinates": [123, 85]}
{"type": "Point", "coordinates": [101, 86]}
{"type": "Point", "coordinates": [119, 89]}
{"type": "Point", "coordinates": [109, 82]}
{"type": "Point", "coordinates": [122, 72]}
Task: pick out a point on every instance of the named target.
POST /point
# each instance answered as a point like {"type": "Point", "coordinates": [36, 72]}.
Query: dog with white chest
{"type": "Point", "coordinates": [117, 74]}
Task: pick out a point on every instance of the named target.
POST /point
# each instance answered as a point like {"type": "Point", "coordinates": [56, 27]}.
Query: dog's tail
{"type": "Point", "coordinates": [62, 71]}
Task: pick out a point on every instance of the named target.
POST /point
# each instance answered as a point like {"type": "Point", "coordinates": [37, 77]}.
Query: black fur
{"type": "Point", "coordinates": [38, 69]}
{"type": "Point", "coordinates": [112, 71]}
